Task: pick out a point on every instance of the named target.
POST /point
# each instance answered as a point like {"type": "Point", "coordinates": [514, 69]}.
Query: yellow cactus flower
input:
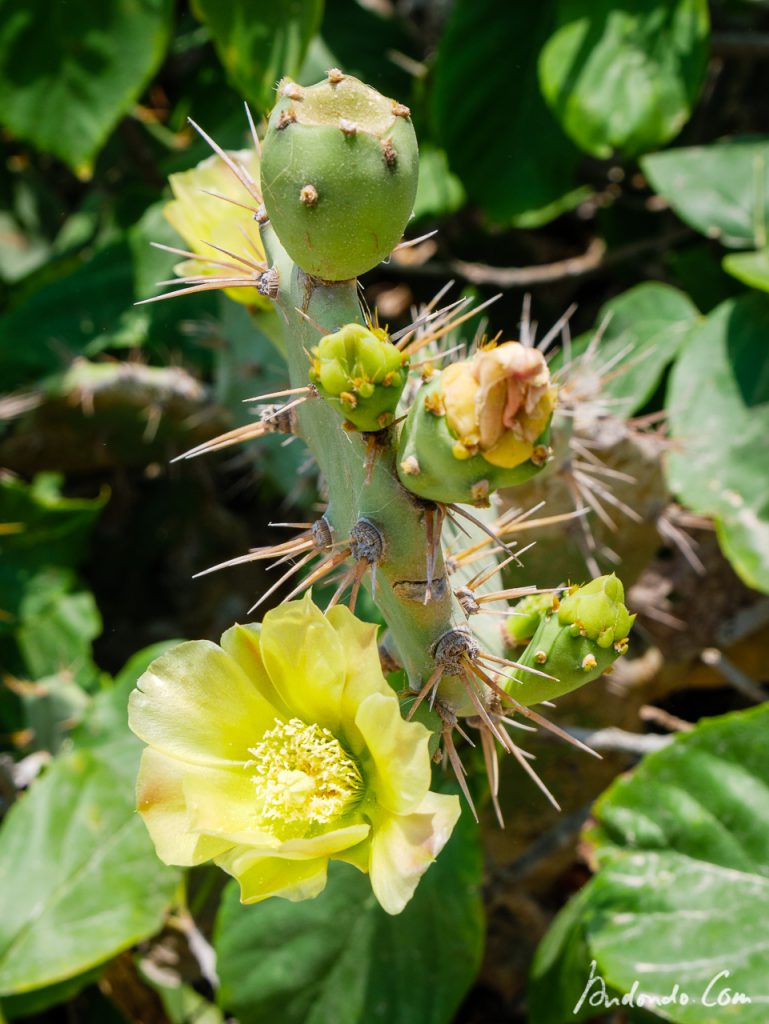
{"type": "Point", "coordinates": [284, 748]}
{"type": "Point", "coordinates": [201, 218]}
{"type": "Point", "coordinates": [499, 402]}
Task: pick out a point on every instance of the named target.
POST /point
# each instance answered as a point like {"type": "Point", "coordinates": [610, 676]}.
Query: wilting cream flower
{"type": "Point", "coordinates": [201, 218]}
{"type": "Point", "coordinates": [285, 748]}
{"type": "Point", "coordinates": [498, 403]}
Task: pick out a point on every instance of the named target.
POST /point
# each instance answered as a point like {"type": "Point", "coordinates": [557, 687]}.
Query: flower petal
{"type": "Point", "coordinates": [399, 751]}
{"type": "Point", "coordinates": [306, 662]}
{"type": "Point", "coordinates": [196, 703]}
{"type": "Point", "coordinates": [404, 847]}
{"type": "Point", "coordinates": [222, 802]}
{"type": "Point", "coordinates": [363, 674]}
{"type": "Point", "coordinates": [161, 803]}
{"type": "Point", "coordinates": [241, 642]}
{"type": "Point", "coordinates": [263, 876]}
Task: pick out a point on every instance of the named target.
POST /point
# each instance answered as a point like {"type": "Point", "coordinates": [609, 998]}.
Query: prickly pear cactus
{"type": "Point", "coordinates": [403, 446]}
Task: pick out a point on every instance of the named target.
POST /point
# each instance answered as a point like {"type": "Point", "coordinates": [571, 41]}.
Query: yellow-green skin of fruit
{"type": "Point", "coordinates": [339, 176]}
{"type": "Point", "coordinates": [576, 644]}
{"type": "Point", "coordinates": [428, 467]}
{"type": "Point", "coordinates": [369, 371]}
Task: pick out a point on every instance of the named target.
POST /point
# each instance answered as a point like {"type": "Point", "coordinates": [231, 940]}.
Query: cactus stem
{"type": "Point", "coordinates": [433, 517]}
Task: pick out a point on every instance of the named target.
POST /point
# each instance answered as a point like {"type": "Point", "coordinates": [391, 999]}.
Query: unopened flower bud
{"type": "Point", "coordinates": [361, 373]}
{"type": "Point", "coordinates": [575, 643]}
{"type": "Point", "coordinates": [527, 615]}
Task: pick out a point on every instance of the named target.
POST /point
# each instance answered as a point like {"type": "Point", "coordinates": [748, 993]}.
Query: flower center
{"type": "Point", "coordinates": [302, 775]}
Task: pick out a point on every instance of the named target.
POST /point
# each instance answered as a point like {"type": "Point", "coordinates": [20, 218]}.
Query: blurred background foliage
{"type": "Point", "coordinates": [612, 154]}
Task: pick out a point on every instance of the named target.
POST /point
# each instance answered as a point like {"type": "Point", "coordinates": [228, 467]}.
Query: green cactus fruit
{"type": "Point", "coordinates": [478, 425]}
{"type": "Point", "coordinates": [339, 175]}
{"type": "Point", "coordinates": [526, 617]}
{"type": "Point", "coordinates": [576, 643]}
{"type": "Point", "coordinates": [361, 374]}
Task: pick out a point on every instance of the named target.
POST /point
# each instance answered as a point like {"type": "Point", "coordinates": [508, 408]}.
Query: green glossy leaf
{"type": "Point", "coordinates": [664, 920]}
{"type": "Point", "coordinates": [706, 795]}
{"type": "Point", "coordinates": [718, 406]}
{"type": "Point", "coordinates": [642, 332]}
{"type": "Point", "coordinates": [624, 76]}
{"type": "Point", "coordinates": [56, 330]}
{"type": "Point", "coordinates": [69, 71]}
{"type": "Point", "coordinates": [16, 1007]}
{"type": "Point", "coordinates": [55, 634]}
{"type": "Point", "coordinates": [439, 192]}
{"type": "Point", "coordinates": [359, 39]}
{"type": "Point", "coordinates": [76, 843]}
{"type": "Point", "coordinates": [260, 43]}
{"type": "Point", "coordinates": [558, 970]}
{"type": "Point", "coordinates": [721, 190]}
{"type": "Point", "coordinates": [501, 139]}
{"type": "Point", "coordinates": [340, 959]}
{"type": "Point", "coordinates": [683, 891]}
{"type": "Point", "coordinates": [752, 268]}
{"type": "Point", "coordinates": [40, 529]}
{"type": "Point", "coordinates": [51, 708]}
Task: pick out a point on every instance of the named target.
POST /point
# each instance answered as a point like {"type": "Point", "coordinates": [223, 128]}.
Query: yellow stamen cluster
{"type": "Point", "coordinates": [302, 775]}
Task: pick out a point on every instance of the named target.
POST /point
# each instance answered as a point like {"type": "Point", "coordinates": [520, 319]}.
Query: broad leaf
{"type": "Point", "coordinates": [664, 920]}
{"type": "Point", "coordinates": [721, 190]}
{"type": "Point", "coordinates": [718, 405]}
{"type": "Point", "coordinates": [55, 634]}
{"type": "Point", "coordinates": [684, 847]}
{"type": "Point", "coordinates": [76, 842]}
{"type": "Point", "coordinates": [439, 192]}
{"type": "Point", "coordinates": [69, 71]}
{"type": "Point", "coordinates": [625, 76]}
{"type": "Point", "coordinates": [260, 43]}
{"type": "Point", "coordinates": [501, 140]}
{"type": "Point", "coordinates": [752, 268]}
{"type": "Point", "coordinates": [55, 331]}
{"type": "Point", "coordinates": [340, 959]}
{"type": "Point", "coordinates": [39, 528]}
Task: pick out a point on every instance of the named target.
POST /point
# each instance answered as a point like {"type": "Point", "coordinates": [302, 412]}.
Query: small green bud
{"type": "Point", "coordinates": [478, 425]}
{"type": "Point", "coordinates": [339, 175]}
{"type": "Point", "coordinates": [361, 374]}
{"type": "Point", "coordinates": [575, 643]}
{"type": "Point", "coordinates": [527, 615]}
{"type": "Point", "coordinates": [596, 610]}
